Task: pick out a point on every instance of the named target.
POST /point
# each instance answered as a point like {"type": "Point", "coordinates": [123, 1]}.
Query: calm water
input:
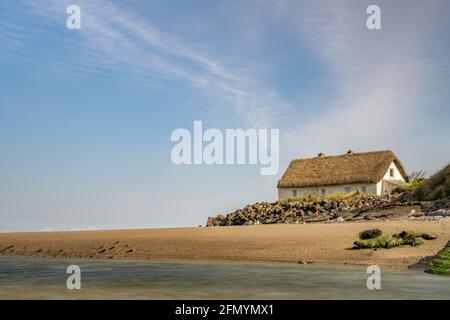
{"type": "Point", "coordinates": [33, 278]}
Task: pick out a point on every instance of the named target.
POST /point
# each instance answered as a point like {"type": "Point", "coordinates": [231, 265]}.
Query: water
{"type": "Point", "coordinates": [35, 278]}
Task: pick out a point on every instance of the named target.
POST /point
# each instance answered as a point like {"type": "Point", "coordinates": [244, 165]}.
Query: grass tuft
{"type": "Point", "coordinates": [440, 264]}
{"type": "Point", "coordinates": [404, 238]}
{"type": "Point", "coordinates": [379, 242]}
{"type": "Point", "coordinates": [435, 187]}
{"type": "Point", "coordinates": [337, 196]}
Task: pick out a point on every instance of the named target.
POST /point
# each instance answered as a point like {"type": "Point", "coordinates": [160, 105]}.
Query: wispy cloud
{"type": "Point", "coordinates": [382, 80]}
{"type": "Point", "coordinates": [118, 38]}
{"type": "Point", "coordinates": [388, 82]}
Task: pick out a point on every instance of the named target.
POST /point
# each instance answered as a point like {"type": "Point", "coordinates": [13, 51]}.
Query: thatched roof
{"type": "Point", "coordinates": [366, 167]}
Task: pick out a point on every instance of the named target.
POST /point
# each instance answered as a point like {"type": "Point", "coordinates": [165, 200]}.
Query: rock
{"type": "Point", "coordinates": [364, 207]}
{"type": "Point", "coordinates": [217, 223]}
{"type": "Point", "coordinates": [414, 213]}
{"type": "Point", "coordinates": [210, 221]}
{"type": "Point", "coordinates": [428, 236]}
{"type": "Point", "coordinates": [437, 207]}
{"type": "Point", "coordinates": [439, 212]}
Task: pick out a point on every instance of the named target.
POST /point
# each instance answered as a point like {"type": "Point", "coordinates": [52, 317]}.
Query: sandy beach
{"type": "Point", "coordinates": [310, 243]}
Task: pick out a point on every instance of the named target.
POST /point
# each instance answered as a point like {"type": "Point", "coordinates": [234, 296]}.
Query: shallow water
{"type": "Point", "coordinates": [36, 278]}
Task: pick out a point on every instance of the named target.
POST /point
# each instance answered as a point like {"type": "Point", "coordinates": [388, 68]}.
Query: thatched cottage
{"type": "Point", "coordinates": [377, 172]}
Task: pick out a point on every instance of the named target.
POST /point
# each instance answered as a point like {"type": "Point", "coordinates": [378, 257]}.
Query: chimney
{"type": "Point", "coordinates": [350, 151]}
{"type": "Point", "coordinates": [321, 155]}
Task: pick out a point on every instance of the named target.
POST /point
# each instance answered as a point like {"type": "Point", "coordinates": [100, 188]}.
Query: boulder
{"type": "Point", "coordinates": [362, 207]}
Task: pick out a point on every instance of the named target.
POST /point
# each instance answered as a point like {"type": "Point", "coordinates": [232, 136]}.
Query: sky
{"type": "Point", "coordinates": [86, 115]}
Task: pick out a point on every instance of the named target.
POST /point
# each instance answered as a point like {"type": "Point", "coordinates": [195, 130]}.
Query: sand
{"type": "Point", "coordinates": [309, 243]}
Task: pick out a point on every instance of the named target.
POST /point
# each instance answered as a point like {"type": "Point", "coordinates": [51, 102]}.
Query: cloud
{"type": "Point", "coordinates": [117, 39]}
{"type": "Point", "coordinates": [383, 79]}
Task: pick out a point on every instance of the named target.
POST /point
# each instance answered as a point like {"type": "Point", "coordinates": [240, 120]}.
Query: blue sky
{"type": "Point", "coordinates": [86, 115]}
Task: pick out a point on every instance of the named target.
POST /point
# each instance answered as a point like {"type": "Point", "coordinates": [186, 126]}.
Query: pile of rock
{"type": "Point", "coordinates": [437, 208]}
{"type": "Point", "coordinates": [362, 207]}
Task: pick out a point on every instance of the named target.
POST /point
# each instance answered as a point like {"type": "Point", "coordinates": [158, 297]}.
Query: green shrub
{"type": "Point", "coordinates": [415, 243]}
{"type": "Point", "coordinates": [406, 237]}
{"type": "Point", "coordinates": [407, 234]}
{"type": "Point", "coordinates": [370, 234]}
{"type": "Point", "coordinates": [407, 187]}
{"type": "Point", "coordinates": [410, 235]}
{"type": "Point", "coordinates": [435, 187]}
{"type": "Point", "coordinates": [379, 242]}
{"type": "Point", "coordinates": [440, 264]}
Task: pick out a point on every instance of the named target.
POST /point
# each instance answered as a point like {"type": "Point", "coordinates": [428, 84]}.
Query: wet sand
{"type": "Point", "coordinates": [308, 243]}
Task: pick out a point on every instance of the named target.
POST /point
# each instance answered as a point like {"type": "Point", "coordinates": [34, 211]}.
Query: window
{"type": "Point", "coordinates": [348, 189]}
{"type": "Point", "coordinates": [391, 172]}
{"type": "Point", "coordinates": [364, 189]}
{"type": "Point", "coordinates": [294, 193]}
{"type": "Point", "coordinates": [322, 191]}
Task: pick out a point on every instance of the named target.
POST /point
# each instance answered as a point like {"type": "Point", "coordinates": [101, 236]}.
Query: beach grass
{"type": "Point", "coordinates": [337, 196]}
{"type": "Point", "coordinates": [385, 242]}
{"type": "Point", "coordinates": [440, 264]}
{"type": "Point", "coordinates": [404, 238]}
{"type": "Point", "coordinates": [408, 186]}
{"type": "Point", "coordinates": [435, 187]}
{"type": "Point", "coordinates": [370, 234]}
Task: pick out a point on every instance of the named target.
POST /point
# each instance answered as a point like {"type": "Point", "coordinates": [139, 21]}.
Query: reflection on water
{"type": "Point", "coordinates": [33, 278]}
